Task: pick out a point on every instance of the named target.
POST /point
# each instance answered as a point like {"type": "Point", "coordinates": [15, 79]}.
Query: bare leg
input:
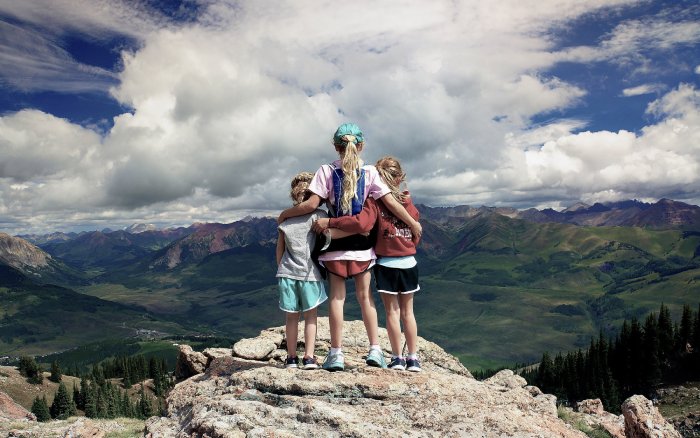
{"type": "Point", "coordinates": [410, 328]}
{"type": "Point", "coordinates": [335, 310]}
{"type": "Point", "coordinates": [369, 311]}
{"type": "Point", "coordinates": [292, 333]}
{"type": "Point", "coordinates": [310, 332]}
{"type": "Point", "coordinates": [393, 324]}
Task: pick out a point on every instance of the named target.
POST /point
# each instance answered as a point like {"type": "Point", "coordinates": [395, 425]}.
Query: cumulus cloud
{"type": "Point", "coordinates": [618, 165]}
{"type": "Point", "coordinates": [228, 106]}
{"type": "Point", "coordinates": [35, 145]}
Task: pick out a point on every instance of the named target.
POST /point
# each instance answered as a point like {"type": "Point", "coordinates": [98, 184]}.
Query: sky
{"type": "Point", "coordinates": [172, 112]}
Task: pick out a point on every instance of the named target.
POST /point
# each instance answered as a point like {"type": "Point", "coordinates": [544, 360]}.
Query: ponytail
{"type": "Point", "coordinates": [300, 187]}
{"type": "Point", "coordinates": [393, 176]}
{"type": "Point", "coordinates": [350, 163]}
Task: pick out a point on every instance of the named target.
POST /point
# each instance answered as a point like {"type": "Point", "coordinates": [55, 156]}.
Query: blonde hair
{"type": "Point", "coordinates": [350, 163]}
{"type": "Point", "coordinates": [300, 187]}
{"type": "Point", "coordinates": [391, 173]}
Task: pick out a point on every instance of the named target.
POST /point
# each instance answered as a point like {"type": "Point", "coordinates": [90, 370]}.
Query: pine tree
{"type": "Point", "coordinates": [41, 409]}
{"type": "Point", "coordinates": [55, 372]}
{"type": "Point", "coordinates": [31, 370]}
{"type": "Point", "coordinates": [666, 344]}
{"type": "Point", "coordinates": [558, 376]}
{"type": "Point", "coordinates": [84, 387]}
{"type": "Point", "coordinates": [545, 375]}
{"type": "Point", "coordinates": [113, 404]}
{"type": "Point", "coordinates": [145, 405]}
{"type": "Point", "coordinates": [89, 395]}
{"type": "Point", "coordinates": [76, 395]}
{"type": "Point", "coordinates": [126, 380]}
{"type": "Point", "coordinates": [637, 358]}
{"type": "Point", "coordinates": [686, 329]}
{"type": "Point", "coordinates": [62, 406]}
{"type": "Point", "coordinates": [696, 346]}
{"type": "Point", "coordinates": [98, 375]}
{"type": "Point", "coordinates": [581, 372]}
{"type": "Point", "coordinates": [153, 368]}
{"type": "Point", "coordinates": [101, 402]}
{"type": "Point", "coordinates": [651, 369]}
{"type": "Point", "coordinates": [25, 364]}
{"type": "Point", "coordinates": [161, 411]}
{"type": "Point", "coordinates": [126, 409]}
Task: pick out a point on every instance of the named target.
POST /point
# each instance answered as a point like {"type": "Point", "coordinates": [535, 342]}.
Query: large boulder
{"type": "Point", "coordinates": [189, 362]}
{"type": "Point", "coordinates": [643, 420]}
{"type": "Point", "coordinates": [592, 413]}
{"type": "Point", "coordinates": [10, 410]}
{"type": "Point", "coordinates": [240, 397]}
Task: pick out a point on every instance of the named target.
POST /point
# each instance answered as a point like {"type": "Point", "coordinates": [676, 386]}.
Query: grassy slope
{"type": "Point", "coordinates": [16, 386]}
{"type": "Point", "coordinates": [39, 319]}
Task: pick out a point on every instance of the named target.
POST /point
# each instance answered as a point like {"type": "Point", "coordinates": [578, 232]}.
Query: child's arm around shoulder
{"type": "Point", "coordinates": [400, 212]}
{"type": "Point", "coordinates": [361, 223]}
{"type": "Point", "coordinates": [411, 207]}
{"type": "Point", "coordinates": [301, 209]}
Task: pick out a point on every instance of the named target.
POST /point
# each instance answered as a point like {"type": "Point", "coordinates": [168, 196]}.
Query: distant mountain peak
{"type": "Point", "coordinates": [140, 228]}
{"type": "Point", "coordinates": [576, 207]}
{"type": "Point", "coordinates": [21, 254]}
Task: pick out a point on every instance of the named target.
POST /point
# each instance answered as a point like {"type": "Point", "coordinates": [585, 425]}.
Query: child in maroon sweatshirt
{"type": "Point", "coordinates": [396, 271]}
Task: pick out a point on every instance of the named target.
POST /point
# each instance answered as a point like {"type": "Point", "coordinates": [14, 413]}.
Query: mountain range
{"type": "Point", "coordinates": [665, 213]}
{"type": "Point", "coordinates": [498, 285]}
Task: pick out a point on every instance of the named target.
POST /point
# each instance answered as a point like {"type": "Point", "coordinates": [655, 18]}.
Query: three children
{"type": "Point", "coordinates": [345, 185]}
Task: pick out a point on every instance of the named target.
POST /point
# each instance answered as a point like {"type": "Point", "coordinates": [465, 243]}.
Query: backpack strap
{"type": "Point", "coordinates": [357, 201]}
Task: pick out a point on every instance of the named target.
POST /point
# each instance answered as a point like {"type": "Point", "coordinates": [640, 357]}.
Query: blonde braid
{"type": "Point", "coordinates": [391, 173]}
{"type": "Point", "coordinates": [300, 187]}
{"type": "Point", "coordinates": [351, 163]}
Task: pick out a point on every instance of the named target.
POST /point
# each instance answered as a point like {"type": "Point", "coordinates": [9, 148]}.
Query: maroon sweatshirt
{"type": "Point", "coordinates": [394, 237]}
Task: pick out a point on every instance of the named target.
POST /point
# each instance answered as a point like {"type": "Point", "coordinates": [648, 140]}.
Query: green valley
{"type": "Point", "coordinates": [494, 289]}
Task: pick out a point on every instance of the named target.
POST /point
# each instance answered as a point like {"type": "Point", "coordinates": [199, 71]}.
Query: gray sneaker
{"type": "Point", "coordinates": [375, 358]}
{"type": "Point", "coordinates": [334, 362]}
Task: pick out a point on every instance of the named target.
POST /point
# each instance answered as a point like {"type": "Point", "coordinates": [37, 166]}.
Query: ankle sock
{"type": "Point", "coordinates": [412, 356]}
{"type": "Point", "coordinates": [375, 347]}
{"type": "Point", "coordinates": [338, 350]}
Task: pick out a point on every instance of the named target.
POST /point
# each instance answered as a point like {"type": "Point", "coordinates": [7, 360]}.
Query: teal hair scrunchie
{"type": "Point", "coordinates": [348, 129]}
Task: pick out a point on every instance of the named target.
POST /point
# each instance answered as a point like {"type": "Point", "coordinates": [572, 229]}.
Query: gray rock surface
{"type": "Point", "coordinates": [189, 362]}
{"type": "Point", "coordinates": [643, 420]}
{"type": "Point", "coordinates": [592, 413]}
{"type": "Point", "coordinates": [238, 397]}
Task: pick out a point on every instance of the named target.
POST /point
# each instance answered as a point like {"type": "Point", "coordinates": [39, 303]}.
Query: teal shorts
{"type": "Point", "coordinates": [300, 295]}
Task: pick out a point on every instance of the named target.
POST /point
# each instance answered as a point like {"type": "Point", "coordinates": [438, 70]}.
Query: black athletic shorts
{"type": "Point", "coordinates": [396, 280]}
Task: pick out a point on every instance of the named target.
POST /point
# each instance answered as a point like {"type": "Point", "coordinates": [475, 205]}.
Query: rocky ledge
{"type": "Point", "coordinates": [245, 392]}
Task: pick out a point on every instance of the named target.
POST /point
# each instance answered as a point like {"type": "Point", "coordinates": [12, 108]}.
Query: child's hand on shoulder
{"type": "Point", "coordinates": [416, 230]}
{"type": "Point", "coordinates": [321, 225]}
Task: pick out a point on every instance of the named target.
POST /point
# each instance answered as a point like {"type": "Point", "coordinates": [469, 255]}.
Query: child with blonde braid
{"type": "Point", "coordinates": [345, 184]}
{"type": "Point", "coordinates": [300, 283]}
{"type": "Point", "coordinates": [396, 271]}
